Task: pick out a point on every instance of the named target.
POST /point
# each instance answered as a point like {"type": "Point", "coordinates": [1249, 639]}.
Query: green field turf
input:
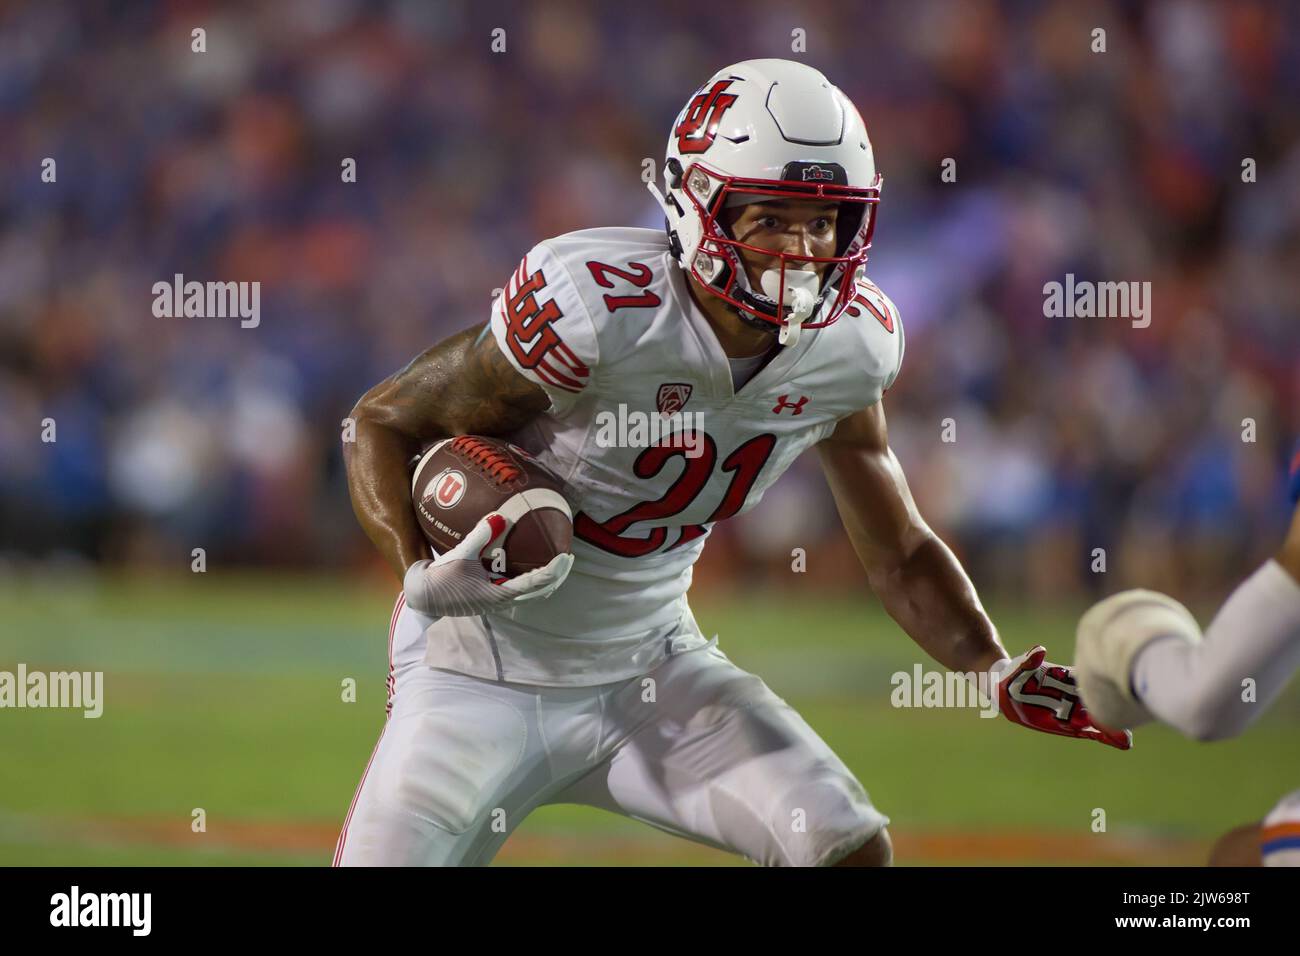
{"type": "Point", "coordinates": [225, 694]}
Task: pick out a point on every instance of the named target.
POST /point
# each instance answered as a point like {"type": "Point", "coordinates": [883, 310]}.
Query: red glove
{"type": "Point", "coordinates": [1044, 697]}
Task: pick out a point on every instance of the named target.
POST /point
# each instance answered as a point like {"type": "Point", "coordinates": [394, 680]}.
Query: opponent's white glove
{"type": "Point", "coordinates": [456, 584]}
{"type": "Point", "coordinates": [1110, 635]}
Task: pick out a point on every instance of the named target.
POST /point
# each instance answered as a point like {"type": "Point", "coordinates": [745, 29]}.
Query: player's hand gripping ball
{"type": "Point", "coordinates": [497, 523]}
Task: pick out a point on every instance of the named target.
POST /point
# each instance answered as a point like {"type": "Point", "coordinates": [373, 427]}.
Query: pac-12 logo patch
{"type": "Point", "coordinates": [446, 489]}
{"type": "Point", "coordinates": [672, 398]}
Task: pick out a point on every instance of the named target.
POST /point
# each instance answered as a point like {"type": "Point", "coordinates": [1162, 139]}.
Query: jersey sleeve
{"type": "Point", "coordinates": [542, 325]}
{"type": "Point", "coordinates": [886, 315]}
{"type": "Point", "coordinates": [902, 343]}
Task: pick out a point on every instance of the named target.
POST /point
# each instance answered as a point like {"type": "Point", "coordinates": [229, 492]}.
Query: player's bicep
{"type": "Point", "coordinates": [462, 385]}
{"type": "Point", "coordinates": [870, 489]}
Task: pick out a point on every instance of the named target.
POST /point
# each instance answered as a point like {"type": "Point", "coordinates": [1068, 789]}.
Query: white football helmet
{"type": "Point", "coordinates": [779, 129]}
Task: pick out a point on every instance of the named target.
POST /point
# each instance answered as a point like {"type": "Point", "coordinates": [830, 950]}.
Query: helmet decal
{"type": "Point", "coordinates": [699, 125]}
{"type": "Point", "coordinates": [816, 173]}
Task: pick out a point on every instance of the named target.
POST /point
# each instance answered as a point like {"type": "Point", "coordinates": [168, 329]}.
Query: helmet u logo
{"type": "Point", "coordinates": [696, 131]}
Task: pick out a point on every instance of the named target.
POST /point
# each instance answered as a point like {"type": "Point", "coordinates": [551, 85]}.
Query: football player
{"type": "Point", "coordinates": [1141, 656]}
{"type": "Point", "coordinates": [752, 310]}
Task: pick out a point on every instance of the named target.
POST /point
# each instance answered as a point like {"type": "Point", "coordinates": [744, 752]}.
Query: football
{"type": "Point", "coordinates": [459, 480]}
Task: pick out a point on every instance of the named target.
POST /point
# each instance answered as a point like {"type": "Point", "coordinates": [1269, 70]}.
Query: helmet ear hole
{"type": "Point", "coordinates": [674, 168]}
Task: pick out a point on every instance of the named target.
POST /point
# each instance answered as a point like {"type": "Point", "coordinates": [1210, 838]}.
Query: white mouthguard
{"type": "Point", "coordinates": [800, 293]}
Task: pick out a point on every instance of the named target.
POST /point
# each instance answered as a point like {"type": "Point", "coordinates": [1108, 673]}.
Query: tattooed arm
{"type": "Point", "coordinates": [463, 385]}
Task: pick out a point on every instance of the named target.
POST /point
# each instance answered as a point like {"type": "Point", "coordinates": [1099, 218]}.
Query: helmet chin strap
{"type": "Point", "coordinates": [800, 293]}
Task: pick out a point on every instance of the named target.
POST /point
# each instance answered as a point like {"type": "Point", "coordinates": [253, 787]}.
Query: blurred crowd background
{"type": "Point", "coordinates": [1071, 433]}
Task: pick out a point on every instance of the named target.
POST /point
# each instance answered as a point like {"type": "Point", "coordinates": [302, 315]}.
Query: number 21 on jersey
{"type": "Point", "coordinates": [743, 464]}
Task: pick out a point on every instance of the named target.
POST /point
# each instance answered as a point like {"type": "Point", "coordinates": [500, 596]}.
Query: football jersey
{"type": "Point", "coordinates": [1279, 834]}
{"type": "Point", "coordinates": [653, 444]}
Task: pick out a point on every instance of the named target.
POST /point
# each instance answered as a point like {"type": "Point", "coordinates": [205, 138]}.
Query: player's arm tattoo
{"type": "Point", "coordinates": [464, 384]}
{"type": "Point", "coordinates": [916, 576]}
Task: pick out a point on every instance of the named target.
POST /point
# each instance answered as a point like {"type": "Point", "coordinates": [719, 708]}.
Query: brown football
{"type": "Point", "coordinates": [459, 480]}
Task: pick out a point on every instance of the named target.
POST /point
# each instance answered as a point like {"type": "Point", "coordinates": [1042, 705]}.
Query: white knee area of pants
{"type": "Point", "coordinates": [820, 821]}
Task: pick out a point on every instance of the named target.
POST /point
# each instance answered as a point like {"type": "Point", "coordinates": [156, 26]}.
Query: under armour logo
{"type": "Point", "coordinates": [781, 403]}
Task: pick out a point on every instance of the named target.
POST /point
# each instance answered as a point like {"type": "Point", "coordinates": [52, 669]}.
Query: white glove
{"type": "Point", "coordinates": [1110, 635]}
{"type": "Point", "coordinates": [456, 584]}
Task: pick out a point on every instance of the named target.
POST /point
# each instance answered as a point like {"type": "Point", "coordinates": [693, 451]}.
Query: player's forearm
{"type": "Point", "coordinates": [930, 596]}
{"type": "Point", "coordinates": [378, 485]}
{"type": "Point", "coordinates": [916, 576]}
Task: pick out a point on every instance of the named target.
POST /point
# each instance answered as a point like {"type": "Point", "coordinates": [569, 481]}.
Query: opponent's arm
{"type": "Point", "coordinates": [916, 576]}
{"type": "Point", "coordinates": [1141, 654]}
{"type": "Point", "coordinates": [463, 385]}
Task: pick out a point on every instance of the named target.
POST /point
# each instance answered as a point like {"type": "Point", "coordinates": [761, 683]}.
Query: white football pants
{"type": "Point", "coordinates": [697, 747]}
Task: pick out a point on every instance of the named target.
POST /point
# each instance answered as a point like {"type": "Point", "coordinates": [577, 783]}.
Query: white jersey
{"type": "Point", "coordinates": [653, 444]}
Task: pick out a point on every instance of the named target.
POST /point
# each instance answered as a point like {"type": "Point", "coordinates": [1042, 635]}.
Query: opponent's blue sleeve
{"type": "Point", "coordinates": [1295, 475]}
